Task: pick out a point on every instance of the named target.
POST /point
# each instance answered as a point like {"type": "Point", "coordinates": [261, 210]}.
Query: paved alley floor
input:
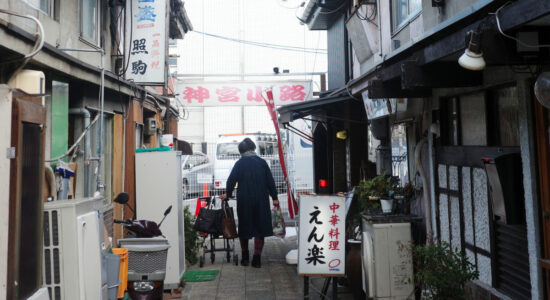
{"type": "Point", "coordinates": [275, 280]}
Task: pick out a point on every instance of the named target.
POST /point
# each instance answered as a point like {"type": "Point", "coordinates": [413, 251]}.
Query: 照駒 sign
{"type": "Point", "coordinates": [146, 41]}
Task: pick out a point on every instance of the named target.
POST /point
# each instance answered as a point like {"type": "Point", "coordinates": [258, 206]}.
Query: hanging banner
{"type": "Point", "coordinates": [378, 108]}
{"type": "Point", "coordinates": [146, 23]}
{"type": "Point", "coordinates": [292, 205]}
{"type": "Point", "coordinates": [321, 239]}
{"type": "Point", "coordinates": [242, 93]}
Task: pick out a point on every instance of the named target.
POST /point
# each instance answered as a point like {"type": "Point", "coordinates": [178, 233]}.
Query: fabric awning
{"type": "Point", "coordinates": [291, 112]}
{"type": "Point", "coordinates": [183, 146]}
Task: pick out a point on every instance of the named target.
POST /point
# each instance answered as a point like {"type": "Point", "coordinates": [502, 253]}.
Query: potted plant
{"type": "Point", "coordinates": [191, 237]}
{"type": "Point", "coordinates": [376, 193]}
{"type": "Point", "coordinates": [441, 272]}
{"type": "Point", "coordinates": [403, 196]}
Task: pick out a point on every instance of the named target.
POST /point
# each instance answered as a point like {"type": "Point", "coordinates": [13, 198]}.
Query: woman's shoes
{"type": "Point", "coordinates": [256, 261]}
{"type": "Point", "coordinates": [245, 259]}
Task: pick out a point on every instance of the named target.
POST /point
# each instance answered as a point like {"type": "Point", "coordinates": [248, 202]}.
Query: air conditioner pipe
{"type": "Point", "coordinates": [87, 146]}
{"type": "Point", "coordinates": [425, 191]}
{"type": "Point", "coordinates": [39, 43]}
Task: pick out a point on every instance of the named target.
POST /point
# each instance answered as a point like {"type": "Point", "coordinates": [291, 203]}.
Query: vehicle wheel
{"type": "Point", "coordinates": [236, 259]}
{"type": "Point", "coordinates": [201, 261]}
{"type": "Point", "coordinates": [212, 258]}
{"type": "Point", "coordinates": [185, 189]}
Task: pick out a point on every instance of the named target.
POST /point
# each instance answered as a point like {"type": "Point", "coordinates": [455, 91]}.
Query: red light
{"type": "Point", "coordinates": [323, 183]}
{"type": "Point", "coordinates": [217, 183]}
{"type": "Point", "coordinates": [487, 160]}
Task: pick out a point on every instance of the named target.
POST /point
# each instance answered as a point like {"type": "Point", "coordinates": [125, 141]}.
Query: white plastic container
{"type": "Point", "coordinates": [387, 205]}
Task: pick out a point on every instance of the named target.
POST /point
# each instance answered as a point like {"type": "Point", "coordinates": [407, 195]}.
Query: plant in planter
{"type": "Point", "coordinates": [191, 237]}
{"type": "Point", "coordinates": [403, 196]}
{"type": "Point", "coordinates": [371, 192]}
{"type": "Point", "coordinates": [442, 272]}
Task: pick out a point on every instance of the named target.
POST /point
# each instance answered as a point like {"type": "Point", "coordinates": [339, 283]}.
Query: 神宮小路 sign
{"type": "Point", "coordinates": [321, 244]}
{"type": "Point", "coordinates": [242, 93]}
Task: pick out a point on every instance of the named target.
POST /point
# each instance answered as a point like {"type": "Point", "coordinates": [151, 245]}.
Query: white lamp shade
{"type": "Point", "coordinates": [472, 61]}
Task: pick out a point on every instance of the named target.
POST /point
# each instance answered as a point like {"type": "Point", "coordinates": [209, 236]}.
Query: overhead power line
{"type": "Point", "coordinates": [265, 45]}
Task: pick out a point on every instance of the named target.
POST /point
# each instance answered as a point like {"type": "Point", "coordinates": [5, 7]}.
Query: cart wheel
{"type": "Point", "coordinates": [236, 259]}
{"type": "Point", "coordinates": [212, 257]}
{"type": "Point", "coordinates": [201, 261]}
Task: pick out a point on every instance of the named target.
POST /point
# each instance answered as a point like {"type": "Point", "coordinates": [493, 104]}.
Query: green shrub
{"type": "Point", "coordinates": [441, 271]}
{"type": "Point", "coordinates": [191, 237]}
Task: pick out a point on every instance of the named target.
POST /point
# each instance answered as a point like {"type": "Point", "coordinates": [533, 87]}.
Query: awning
{"type": "Point", "coordinates": [183, 146]}
{"type": "Point", "coordinates": [321, 110]}
{"type": "Point", "coordinates": [320, 107]}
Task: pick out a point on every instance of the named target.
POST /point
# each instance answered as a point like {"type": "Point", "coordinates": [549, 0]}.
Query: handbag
{"type": "Point", "coordinates": [229, 229]}
{"type": "Point", "coordinates": [278, 222]}
{"type": "Point", "coordinates": [208, 220]}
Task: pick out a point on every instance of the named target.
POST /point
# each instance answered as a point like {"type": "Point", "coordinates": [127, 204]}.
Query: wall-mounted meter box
{"type": "Point", "coordinates": [150, 126]}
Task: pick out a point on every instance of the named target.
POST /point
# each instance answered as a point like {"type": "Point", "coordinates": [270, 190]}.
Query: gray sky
{"type": "Point", "coordinates": [263, 21]}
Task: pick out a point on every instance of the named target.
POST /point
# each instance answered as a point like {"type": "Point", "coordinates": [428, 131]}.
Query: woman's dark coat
{"type": "Point", "coordinates": [255, 185]}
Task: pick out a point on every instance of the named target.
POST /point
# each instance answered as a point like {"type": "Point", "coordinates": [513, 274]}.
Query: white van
{"type": "Point", "coordinates": [227, 153]}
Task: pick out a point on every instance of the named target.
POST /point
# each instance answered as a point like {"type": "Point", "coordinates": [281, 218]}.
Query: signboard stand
{"type": "Point", "coordinates": [321, 246]}
{"type": "Point", "coordinates": [325, 287]}
{"type": "Point", "coordinates": [306, 288]}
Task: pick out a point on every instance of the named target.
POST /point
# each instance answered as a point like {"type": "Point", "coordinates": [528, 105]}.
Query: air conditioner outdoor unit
{"type": "Point", "coordinates": [386, 264]}
{"type": "Point", "coordinates": [73, 237]}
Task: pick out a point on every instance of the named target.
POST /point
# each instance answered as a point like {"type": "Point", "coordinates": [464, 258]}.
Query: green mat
{"type": "Point", "coordinates": [198, 275]}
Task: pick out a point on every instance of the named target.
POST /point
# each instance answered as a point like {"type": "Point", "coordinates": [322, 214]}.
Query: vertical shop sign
{"type": "Point", "coordinates": [321, 238]}
{"type": "Point", "coordinates": [146, 20]}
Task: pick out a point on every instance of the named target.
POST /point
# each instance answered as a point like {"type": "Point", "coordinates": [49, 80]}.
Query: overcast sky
{"type": "Point", "coordinates": [263, 21]}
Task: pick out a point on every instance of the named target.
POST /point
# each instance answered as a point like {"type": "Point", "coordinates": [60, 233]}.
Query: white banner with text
{"type": "Point", "coordinates": [242, 93]}
{"type": "Point", "coordinates": [147, 41]}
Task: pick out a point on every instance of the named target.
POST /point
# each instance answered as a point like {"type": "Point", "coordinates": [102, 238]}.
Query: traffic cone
{"type": "Point", "coordinates": [205, 192]}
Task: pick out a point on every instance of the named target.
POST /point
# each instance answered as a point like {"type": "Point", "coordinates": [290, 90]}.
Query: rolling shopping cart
{"type": "Point", "coordinates": [209, 224]}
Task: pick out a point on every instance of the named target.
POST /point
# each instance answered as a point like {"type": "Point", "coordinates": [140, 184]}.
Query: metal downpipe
{"type": "Point", "coordinates": [425, 190]}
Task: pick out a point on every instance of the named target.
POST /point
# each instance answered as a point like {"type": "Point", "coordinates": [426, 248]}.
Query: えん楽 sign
{"type": "Point", "coordinates": [321, 246]}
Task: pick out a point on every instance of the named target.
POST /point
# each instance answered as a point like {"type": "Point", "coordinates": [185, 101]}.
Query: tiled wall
{"type": "Point", "coordinates": [463, 214]}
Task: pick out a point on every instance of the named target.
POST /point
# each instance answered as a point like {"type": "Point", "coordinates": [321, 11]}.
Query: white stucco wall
{"type": "Point", "coordinates": [5, 141]}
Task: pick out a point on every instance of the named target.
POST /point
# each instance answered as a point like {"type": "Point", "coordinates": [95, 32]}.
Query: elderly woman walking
{"type": "Point", "coordinates": [255, 184]}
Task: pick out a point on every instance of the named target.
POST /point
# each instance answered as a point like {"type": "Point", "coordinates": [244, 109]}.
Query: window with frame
{"type": "Point", "coordinates": [488, 118]}
{"type": "Point", "coordinates": [90, 20]}
{"type": "Point", "coordinates": [45, 6]}
{"type": "Point", "coordinates": [403, 10]}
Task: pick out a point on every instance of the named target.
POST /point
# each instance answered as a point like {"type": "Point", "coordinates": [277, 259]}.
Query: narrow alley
{"type": "Point", "coordinates": [364, 149]}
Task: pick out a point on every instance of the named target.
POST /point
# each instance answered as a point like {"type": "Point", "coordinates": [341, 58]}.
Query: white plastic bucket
{"type": "Point", "coordinates": [387, 205]}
